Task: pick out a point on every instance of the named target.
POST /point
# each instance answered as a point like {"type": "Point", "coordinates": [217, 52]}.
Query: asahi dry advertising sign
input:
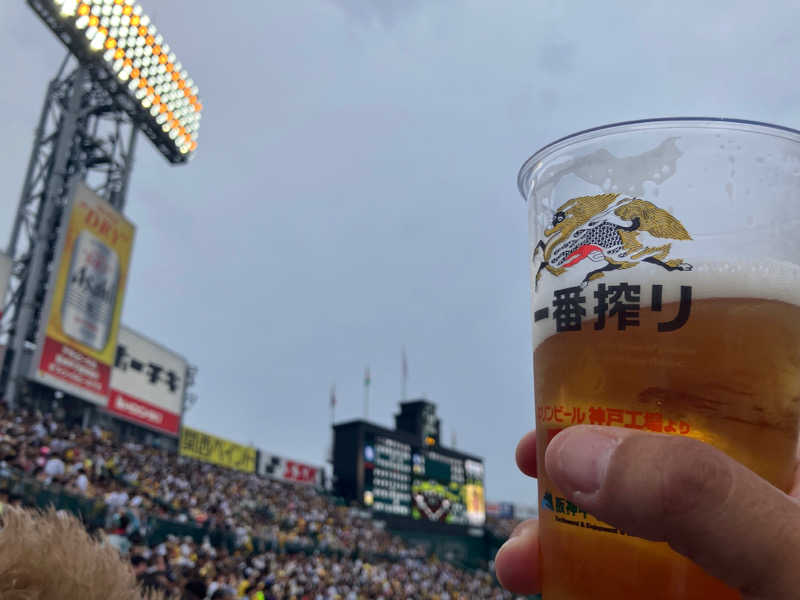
{"type": "Point", "coordinates": [78, 332]}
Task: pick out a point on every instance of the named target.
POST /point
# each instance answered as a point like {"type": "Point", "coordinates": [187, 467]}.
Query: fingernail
{"type": "Point", "coordinates": [581, 458]}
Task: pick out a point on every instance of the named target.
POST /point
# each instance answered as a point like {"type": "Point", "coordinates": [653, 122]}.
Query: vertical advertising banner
{"type": "Point", "coordinates": [147, 383]}
{"type": "Point", "coordinates": [78, 330]}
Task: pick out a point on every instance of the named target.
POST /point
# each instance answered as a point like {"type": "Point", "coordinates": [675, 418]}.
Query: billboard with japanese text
{"type": "Point", "coordinates": [78, 330]}
{"type": "Point", "coordinates": [147, 383]}
{"type": "Point", "coordinates": [286, 469]}
{"type": "Point", "coordinates": [217, 451]}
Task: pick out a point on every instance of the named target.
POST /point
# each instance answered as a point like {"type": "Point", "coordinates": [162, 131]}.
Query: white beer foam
{"type": "Point", "coordinates": [765, 279]}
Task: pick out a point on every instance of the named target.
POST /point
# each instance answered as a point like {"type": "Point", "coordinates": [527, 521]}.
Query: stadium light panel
{"type": "Point", "coordinates": [129, 57]}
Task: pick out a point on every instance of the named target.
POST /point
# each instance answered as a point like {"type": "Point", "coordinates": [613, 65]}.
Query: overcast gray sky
{"type": "Point", "coordinates": [354, 189]}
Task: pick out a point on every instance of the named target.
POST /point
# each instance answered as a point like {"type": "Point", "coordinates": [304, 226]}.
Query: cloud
{"type": "Point", "coordinates": [387, 13]}
{"type": "Point", "coordinates": [557, 57]}
{"type": "Point", "coordinates": [354, 190]}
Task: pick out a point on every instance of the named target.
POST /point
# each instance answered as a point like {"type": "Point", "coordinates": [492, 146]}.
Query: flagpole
{"type": "Point", "coordinates": [366, 393]}
{"type": "Point", "coordinates": [403, 390]}
{"type": "Point", "coordinates": [333, 404]}
{"type": "Point", "coordinates": [333, 419]}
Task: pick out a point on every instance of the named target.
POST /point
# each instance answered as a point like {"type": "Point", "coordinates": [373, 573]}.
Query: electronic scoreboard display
{"type": "Point", "coordinates": [402, 479]}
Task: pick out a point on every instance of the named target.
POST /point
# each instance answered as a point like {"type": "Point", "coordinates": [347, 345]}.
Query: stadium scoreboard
{"type": "Point", "coordinates": [405, 475]}
{"type": "Point", "coordinates": [424, 484]}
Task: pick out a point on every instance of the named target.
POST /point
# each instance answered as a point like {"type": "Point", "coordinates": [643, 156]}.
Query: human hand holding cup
{"type": "Point", "coordinates": [665, 301]}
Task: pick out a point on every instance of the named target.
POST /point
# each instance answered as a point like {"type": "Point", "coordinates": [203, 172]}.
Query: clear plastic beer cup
{"type": "Point", "coordinates": [665, 279]}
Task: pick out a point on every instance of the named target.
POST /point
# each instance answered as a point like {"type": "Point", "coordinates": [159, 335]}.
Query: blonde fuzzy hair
{"type": "Point", "coordinates": [49, 555]}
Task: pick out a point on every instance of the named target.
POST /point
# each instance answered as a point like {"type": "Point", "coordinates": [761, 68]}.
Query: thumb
{"type": "Point", "coordinates": [707, 506]}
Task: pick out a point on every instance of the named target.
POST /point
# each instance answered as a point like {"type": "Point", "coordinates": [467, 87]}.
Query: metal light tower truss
{"type": "Point", "coordinates": [127, 55]}
{"type": "Point", "coordinates": [120, 77]}
{"type": "Point", "coordinates": [82, 135]}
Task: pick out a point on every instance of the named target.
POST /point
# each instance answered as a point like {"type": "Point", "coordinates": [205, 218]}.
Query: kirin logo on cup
{"type": "Point", "coordinates": [607, 229]}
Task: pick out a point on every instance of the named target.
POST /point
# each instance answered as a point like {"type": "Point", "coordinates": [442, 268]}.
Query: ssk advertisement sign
{"type": "Point", "coordinates": [147, 383]}
{"type": "Point", "coordinates": [78, 332]}
{"type": "Point", "coordinates": [285, 469]}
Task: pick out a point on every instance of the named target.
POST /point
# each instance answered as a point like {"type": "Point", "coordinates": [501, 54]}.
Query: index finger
{"type": "Point", "coordinates": [517, 561]}
{"type": "Point", "coordinates": [526, 454]}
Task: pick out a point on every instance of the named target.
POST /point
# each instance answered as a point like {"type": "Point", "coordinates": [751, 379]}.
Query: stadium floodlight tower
{"type": "Point", "coordinates": [119, 77]}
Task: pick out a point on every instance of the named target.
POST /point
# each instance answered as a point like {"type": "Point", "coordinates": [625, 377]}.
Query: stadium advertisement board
{"type": "Point", "coordinates": [285, 469]}
{"type": "Point", "coordinates": [217, 451]}
{"type": "Point", "coordinates": [78, 330]}
{"type": "Point", "coordinates": [147, 383]}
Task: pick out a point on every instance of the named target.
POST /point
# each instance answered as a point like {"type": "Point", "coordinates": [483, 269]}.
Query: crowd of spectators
{"type": "Point", "coordinates": [176, 566]}
{"type": "Point", "coordinates": [318, 549]}
{"type": "Point", "coordinates": [133, 478]}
